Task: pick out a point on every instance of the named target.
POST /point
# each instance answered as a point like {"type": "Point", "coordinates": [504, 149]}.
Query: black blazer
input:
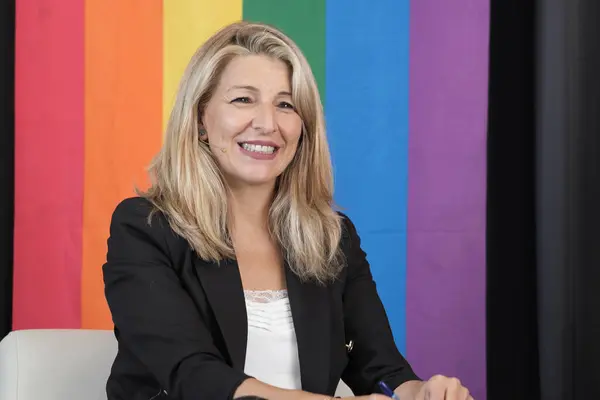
{"type": "Point", "coordinates": [181, 321]}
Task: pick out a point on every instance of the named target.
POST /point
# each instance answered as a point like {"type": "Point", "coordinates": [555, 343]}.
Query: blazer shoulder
{"type": "Point", "coordinates": [349, 233]}
{"type": "Point", "coordinates": [136, 223]}
{"type": "Point", "coordinates": [133, 206]}
{"type": "Point", "coordinates": [139, 214]}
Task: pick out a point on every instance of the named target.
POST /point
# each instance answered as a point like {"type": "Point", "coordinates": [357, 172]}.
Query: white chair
{"type": "Point", "coordinates": [343, 390]}
{"type": "Point", "coordinates": [56, 364]}
{"type": "Point", "coordinates": [61, 364]}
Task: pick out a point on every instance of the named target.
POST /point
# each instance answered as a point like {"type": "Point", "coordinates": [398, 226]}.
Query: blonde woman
{"type": "Point", "coordinates": [233, 275]}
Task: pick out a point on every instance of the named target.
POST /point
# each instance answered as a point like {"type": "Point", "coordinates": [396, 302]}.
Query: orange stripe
{"type": "Point", "coordinates": [123, 108]}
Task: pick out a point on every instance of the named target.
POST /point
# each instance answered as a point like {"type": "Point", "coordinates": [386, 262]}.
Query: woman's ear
{"type": "Point", "coordinates": [201, 128]}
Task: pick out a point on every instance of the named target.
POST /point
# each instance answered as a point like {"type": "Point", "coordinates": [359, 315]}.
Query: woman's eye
{"type": "Point", "coordinates": [244, 100]}
{"type": "Point", "coordinates": [285, 104]}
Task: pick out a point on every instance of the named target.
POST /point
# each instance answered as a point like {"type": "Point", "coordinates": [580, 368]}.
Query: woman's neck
{"type": "Point", "coordinates": [250, 206]}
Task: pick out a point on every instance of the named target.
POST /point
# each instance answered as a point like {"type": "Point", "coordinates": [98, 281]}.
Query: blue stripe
{"type": "Point", "coordinates": [367, 66]}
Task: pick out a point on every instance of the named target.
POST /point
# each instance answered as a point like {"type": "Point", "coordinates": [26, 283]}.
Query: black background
{"type": "Point", "coordinates": [7, 108]}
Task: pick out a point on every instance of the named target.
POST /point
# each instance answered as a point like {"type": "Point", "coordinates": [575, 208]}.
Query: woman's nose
{"type": "Point", "coordinates": [264, 118]}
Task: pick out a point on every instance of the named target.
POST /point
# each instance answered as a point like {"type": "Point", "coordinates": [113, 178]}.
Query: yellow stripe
{"type": "Point", "coordinates": [187, 25]}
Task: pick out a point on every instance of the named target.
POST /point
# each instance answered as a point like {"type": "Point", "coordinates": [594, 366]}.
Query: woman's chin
{"type": "Point", "coordinates": [254, 180]}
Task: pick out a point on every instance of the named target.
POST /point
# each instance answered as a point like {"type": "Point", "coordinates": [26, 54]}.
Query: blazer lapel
{"type": "Point", "coordinates": [223, 287]}
{"type": "Point", "coordinates": [311, 314]}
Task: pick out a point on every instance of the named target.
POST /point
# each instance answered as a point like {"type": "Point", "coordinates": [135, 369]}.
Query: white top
{"type": "Point", "coordinates": [271, 350]}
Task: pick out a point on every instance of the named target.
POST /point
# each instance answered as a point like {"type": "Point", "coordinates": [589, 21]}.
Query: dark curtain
{"type": "Point", "coordinates": [543, 256]}
{"type": "Point", "coordinates": [568, 203]}
{"type": "Point", "coordinates": [7, 108]}
{"type": "Point", "coordinates": [512, 329]}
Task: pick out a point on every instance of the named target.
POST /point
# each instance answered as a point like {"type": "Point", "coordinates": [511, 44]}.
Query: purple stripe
{"type": "Point", "coordinates": [446, 189]}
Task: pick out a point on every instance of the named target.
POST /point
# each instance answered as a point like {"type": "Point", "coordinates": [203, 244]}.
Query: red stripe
{"type": "Point", "coordinates": [49, 135]}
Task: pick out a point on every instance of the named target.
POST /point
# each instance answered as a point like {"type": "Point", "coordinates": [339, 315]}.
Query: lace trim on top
{"type": "Point", "coordinates": [269, 311]}
{"type": "Point", "coordinates": [265, 296]}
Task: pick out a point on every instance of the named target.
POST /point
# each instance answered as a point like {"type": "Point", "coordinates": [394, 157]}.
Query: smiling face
{"type": "Point", "coordinates": [252, 125]}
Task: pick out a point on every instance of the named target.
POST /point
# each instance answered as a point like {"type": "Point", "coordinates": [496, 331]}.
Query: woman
{"type": "Point", "coordinates": [233, 275]}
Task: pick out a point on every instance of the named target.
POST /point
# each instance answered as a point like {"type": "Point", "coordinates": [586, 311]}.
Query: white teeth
{"type": "Point", "coordinates": [258, 148]}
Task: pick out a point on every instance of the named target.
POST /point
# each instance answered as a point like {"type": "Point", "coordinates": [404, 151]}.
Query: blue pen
{"type": "Point", "coordinates": [387, 391]}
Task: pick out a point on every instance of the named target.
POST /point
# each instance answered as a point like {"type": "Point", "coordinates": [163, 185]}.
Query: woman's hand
{"type": "Point", "coordinates": [443, 388]}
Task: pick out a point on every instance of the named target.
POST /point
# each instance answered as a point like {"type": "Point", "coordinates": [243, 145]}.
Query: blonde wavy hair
{"type": "Point", "coordinates": [189, 189]}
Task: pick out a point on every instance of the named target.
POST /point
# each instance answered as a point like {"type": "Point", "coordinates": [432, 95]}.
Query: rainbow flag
{"type": "Point", "coordinates": [404, 86]}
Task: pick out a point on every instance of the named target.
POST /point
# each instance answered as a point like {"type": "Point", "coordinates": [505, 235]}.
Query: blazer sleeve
{"type": "Point", "coordinates": [154, 316]}
{"type": "Point", "coordinates": [374, 356]}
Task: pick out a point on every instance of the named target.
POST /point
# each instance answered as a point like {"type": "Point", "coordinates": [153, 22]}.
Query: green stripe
{"type": "Point", "coordinates": [303, 21]}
